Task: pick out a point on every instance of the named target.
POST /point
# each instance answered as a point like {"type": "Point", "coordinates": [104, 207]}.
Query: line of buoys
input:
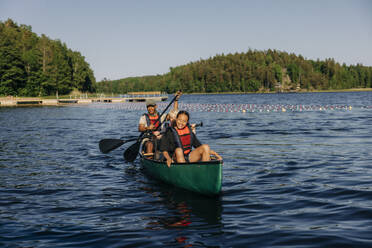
{"type": "Point", "coordinates": [243, 108]}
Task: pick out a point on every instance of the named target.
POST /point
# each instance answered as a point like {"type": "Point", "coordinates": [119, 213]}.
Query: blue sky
{"type": "Point", "coordinates": [135, 38]}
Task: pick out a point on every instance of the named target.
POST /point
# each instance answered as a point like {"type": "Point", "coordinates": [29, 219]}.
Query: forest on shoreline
{"type": "Point", "coordinates": [39, 66]}
{"type": "Point", "coordinates": [32, 65]}
{"type": "Point", "coordinates": [252, 71]}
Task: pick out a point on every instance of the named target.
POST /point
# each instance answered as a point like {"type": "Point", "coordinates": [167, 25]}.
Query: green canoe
{"type": "Point", "coordinates": [201, 177]}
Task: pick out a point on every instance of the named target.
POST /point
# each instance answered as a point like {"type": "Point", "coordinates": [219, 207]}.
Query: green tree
{"type": "Point", "coordinates": [12, 70]}
{"type": "Point", "coordinates": [32, 65]}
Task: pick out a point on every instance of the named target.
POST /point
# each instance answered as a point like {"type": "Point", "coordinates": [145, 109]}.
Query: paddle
{"type": "Point", "coordinates": [107, 145]}
{"type": "Point", "coordinates": [199, 124]}
{"type": "Point", "coordinates": [131, 153]}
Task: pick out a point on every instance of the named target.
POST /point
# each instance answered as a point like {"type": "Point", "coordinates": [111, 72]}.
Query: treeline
{"type": "Point", "coordinates": [39, 66]}
{"type": "Point", "coordinates": [252, 71]}
{"type": "Point", "coordinates": [132, 84]}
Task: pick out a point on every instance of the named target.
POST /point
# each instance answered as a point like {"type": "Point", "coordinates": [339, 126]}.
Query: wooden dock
{"type": "Point", "coordinates": [35, 101]}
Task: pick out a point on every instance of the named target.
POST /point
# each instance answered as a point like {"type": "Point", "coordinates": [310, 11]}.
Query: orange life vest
{"type": "Point", "coordinates": [183, 138]}
{"type": "Point", "coordinates": [152, 120]}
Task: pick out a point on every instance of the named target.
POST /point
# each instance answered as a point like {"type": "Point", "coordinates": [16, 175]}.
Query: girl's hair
{"type": "Point", "coordinates": [183, 112]}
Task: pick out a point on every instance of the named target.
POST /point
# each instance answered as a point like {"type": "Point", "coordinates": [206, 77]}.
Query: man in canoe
{"type": "Point", "coordinates": [150, 122]}
{"type": "Point", "coordinates": [176, 144]}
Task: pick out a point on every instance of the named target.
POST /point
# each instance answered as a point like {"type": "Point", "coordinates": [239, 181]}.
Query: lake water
{"type": "Point", "coordinates": [297, 173]}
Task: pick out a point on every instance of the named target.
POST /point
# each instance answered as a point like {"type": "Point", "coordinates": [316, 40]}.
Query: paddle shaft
{"type": "Point", "coordinates": [107, 145]}
{"type": "Point", "coordinates": [159, 118]}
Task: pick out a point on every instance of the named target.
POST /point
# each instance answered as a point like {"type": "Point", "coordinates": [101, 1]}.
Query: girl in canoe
{"type": "Point", "coordinates": [176, 144]}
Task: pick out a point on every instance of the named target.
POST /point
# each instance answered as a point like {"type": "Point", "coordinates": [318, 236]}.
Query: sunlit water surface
{"type": "Point", "coordinates": [297, 173]}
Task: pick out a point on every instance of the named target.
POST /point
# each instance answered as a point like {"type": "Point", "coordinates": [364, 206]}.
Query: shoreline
{"type": "Point", "coordinates": [288, 92]}
{"type": "Point", "coordinates": [46, 101]}
{"type": "Point", "coordinates": [109, 99]}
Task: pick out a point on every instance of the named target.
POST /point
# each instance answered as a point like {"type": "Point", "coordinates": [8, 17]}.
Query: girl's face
{"type": "Point", "coordinates": [181, 121]}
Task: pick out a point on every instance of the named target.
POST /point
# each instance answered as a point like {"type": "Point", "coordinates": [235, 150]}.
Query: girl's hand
{"type": "Point", "coordinates": [169, 162]}
{"type": "Point", "coordinates": [216, 155]}
{"type": "Point", "coordinates": [193, 128]}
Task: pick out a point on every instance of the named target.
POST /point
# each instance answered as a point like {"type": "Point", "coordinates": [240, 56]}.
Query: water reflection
{"type": "Point", "coordinates": [184, 210]}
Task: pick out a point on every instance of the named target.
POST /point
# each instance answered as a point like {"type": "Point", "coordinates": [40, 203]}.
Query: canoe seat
{"type": "Point", "coordinates": [148, 154]}
{"type": "Point", "coordinates": [158, 156]}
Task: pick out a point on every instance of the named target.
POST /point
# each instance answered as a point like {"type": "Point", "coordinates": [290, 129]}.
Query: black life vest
{"type": "Point", "coordinates": [184, 138]}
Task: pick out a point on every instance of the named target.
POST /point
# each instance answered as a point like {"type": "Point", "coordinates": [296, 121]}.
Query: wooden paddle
{"type": "Point", "coordinates": [131, 153]}
{"type": "Point", "coordinates": [107, 145]}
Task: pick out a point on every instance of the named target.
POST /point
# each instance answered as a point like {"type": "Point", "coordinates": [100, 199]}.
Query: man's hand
{"type": "Point", "coordinates": [151, 127]}
{"type": "Point", "coordinates": [178, 95]}
{"type": "Point", "coordinates": [157, 134]}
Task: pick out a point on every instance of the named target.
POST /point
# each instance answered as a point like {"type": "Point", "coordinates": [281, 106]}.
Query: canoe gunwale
{"type": "Point", "coordinates": [188, 163]}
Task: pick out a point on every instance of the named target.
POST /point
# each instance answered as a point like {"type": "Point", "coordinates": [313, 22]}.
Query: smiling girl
{"type": "Point", "coordinates": [177, 143]}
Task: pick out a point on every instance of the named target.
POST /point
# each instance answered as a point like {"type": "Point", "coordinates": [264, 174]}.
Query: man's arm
{"type": "Point", "coordinates": [142, 128]}
{"type": "Point", "coordinates": [142, 125]}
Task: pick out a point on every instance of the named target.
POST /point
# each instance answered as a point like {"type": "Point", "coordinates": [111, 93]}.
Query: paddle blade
{"type": "Point", "coordinates": [107, 145]}
{"type": "Point", "coordinates": [199, 124]}
{"type": "Point", "coordinates": [131, 153]}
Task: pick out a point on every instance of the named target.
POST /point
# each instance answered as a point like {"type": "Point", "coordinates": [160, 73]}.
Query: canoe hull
{"type": "Point", "coordinates": [201, 177]}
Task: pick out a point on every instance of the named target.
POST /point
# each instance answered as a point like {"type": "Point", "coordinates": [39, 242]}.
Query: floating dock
{"type": "Point", "coordinates": [35, 101]}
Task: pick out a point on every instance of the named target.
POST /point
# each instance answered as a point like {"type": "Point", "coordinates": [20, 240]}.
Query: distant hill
{"type": "Point", "coordinates": [38, 66]}
{"type": "Point", "coordinates": [252, 71]}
